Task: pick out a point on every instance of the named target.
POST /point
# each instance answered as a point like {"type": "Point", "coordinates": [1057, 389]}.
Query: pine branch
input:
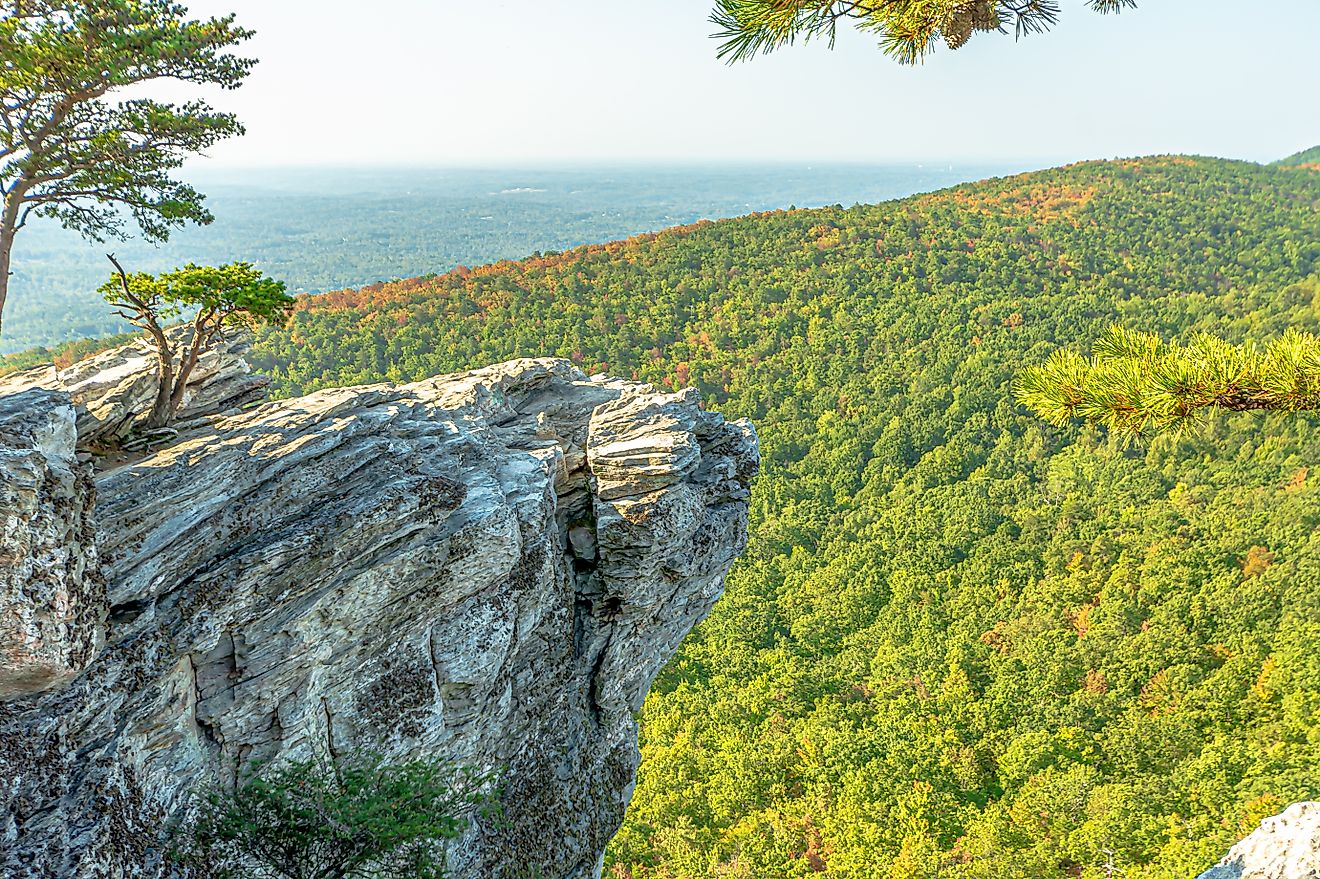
{"type": "Point", "coordinates": [908, 30]}
{"type": "Point", "coordinates": [1134, 382]}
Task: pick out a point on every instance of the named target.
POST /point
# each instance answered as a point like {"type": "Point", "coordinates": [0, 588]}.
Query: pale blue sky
{"type": "Point", "coordinates": [442, 82]}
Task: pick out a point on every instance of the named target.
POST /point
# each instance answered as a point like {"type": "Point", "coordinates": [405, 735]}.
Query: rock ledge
{"type": "Point", "coordinates": [488, 567]}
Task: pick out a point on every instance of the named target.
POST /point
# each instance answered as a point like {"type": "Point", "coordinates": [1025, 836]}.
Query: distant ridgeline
{"type": "Point", "coordinates": [1305, 157]}
{"type": "Point", "coordinates": [960, 641]}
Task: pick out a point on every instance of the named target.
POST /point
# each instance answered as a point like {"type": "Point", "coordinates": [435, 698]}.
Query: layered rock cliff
{"type": "Point", "coordinates": [52, 599]}
{"type": "Point", "coordinates": [113, 391]}
{"type": "Point", "coordinates": [488, 567]}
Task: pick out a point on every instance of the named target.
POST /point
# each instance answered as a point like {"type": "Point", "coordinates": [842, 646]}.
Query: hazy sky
{"type": "Point", "coordinates": [499, 81]}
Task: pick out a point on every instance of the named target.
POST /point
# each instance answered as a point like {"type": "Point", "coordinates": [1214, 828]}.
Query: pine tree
{"type": "Point", "coordinates": [908, 29]}
{"type": "Point", "coordinates": [1135, 382]}
{"type": "Point", "coordinates": [234, 295]}
{"type": "Point", "coordinates": [74, 147]}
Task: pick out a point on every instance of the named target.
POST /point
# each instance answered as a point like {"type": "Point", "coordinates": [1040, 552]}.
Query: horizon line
{"type": "Point", "coordinates": [530, 163]}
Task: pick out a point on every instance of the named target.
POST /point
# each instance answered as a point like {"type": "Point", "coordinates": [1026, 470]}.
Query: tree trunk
{"type": "Point", "coordinates": [161, 412]}
{"type": "Point", "coordinates": [6, 249]}
{"type": "Point", "coordinates": [13, 203]}
{"type": "Point", "coordinates": [190, 358]}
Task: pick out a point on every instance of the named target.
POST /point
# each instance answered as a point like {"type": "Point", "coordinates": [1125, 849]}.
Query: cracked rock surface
{"type": "Point", "coordinates": [487, 567]}
{"type": "Point", "coordinates": [52, 600]}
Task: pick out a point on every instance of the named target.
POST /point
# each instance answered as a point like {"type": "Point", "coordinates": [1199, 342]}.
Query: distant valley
{"type": "Point", "coordinates": [329, 229]}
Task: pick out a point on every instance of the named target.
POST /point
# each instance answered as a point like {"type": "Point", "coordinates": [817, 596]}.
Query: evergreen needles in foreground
{"type": "Point", "coordinates": [318, 819]}
{"type": "Point", "coordinates": [908, 30]}
{"type": "Point", "coordinates": [1134, 382]}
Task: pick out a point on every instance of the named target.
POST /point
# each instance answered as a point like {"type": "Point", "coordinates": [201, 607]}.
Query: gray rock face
{"type": "Point", "coordinates": [1286, 846]}
{"type": "Point", "coordinates": [52, 599]}
{"type": "Point", "coordinates": [488, 567]}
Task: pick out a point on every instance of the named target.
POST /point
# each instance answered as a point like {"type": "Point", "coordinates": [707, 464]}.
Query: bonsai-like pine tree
{"type": "Point", "coordinates": [1135, 382]}
{"type": "Point", "coordinates": [71, 152]}
{"type": "Point", "coordinates": [359, 818]}
{"type": "Point", "coordinates": [908, 29]}
{"type": "Point", "coordinates": [219, 297]}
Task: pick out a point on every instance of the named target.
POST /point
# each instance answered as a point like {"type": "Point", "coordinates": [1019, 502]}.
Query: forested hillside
{"type": "Point", "coordinates": [961, 643]}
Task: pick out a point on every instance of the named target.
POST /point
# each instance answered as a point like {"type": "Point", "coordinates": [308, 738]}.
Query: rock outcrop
{"type": "Point", "coordinates": [488, 567]}
{"type": "Point", "coordinates": [52, 599]}
{"type": "Point", "coordinates": [1285, 846]}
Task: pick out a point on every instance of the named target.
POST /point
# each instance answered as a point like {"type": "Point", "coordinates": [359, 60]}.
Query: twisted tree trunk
{"type": "Point", "coordinates": [6, 245]}
{"type": "Point", "coordinates": [201, 341]}
{"type": "Point", "coordinates": [162, 412]}
{"type": "Point", "coordinates": [8, 229]}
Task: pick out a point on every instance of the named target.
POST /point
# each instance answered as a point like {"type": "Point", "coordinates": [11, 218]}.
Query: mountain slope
{"type": "Point", "coordinates": [960, 642]}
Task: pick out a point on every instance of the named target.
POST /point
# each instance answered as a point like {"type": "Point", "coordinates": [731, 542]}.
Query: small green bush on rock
{"type": "Point", "coordinates": [359, 818]}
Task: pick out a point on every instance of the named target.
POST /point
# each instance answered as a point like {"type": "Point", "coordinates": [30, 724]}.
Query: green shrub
{"type": "Point", "coordinates": [359, 818]}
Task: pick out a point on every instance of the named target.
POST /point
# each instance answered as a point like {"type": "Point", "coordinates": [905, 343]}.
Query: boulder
{"type": "Point", "coordinates": [52, 597]}
{"type": "Point", "coordinates": [113, 391]}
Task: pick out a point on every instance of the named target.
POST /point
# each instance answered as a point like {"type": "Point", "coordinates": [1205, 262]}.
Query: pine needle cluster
{"type": "Point", "coordinates": [908, 29]}
{"type": "Point", "coordinates": [1135, 383]}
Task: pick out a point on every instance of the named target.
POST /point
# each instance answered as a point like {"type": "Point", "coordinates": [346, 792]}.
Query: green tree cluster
{"type": "Point", "coordinates": [359, 817]}
{"type": "Point", "coordinates": [219, 298]}
{"type": "Point", "coordinates": [1304, 157]}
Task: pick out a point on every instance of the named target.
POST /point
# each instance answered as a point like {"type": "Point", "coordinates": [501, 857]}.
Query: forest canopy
{"type": "Point", "coordinates": [1305, 157]}
{"type": "Point", "coordinates": [961, 640]}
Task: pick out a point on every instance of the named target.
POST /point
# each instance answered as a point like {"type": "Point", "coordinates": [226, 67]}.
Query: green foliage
{"type": "Point", "coordinates": [236, 293]}
{"type": "Point", "coordinates": [960, 642]}
{"type": "Point", "coordinates": [1134, 382]}
{"type": "Point", "coordinates": [69, 152]}
{"type": "Point", "coordinates": [908, 29]}
{"type": "Point", "coordinates": [361, 818]}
